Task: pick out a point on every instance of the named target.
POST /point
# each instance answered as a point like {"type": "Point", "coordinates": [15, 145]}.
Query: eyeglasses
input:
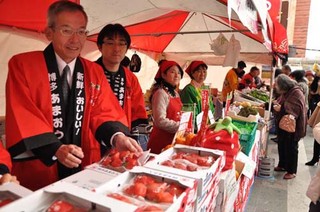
{"type": "Point", "coordinates": [113, 43]}
{"type": "Point", "coordinates": [68, 32]}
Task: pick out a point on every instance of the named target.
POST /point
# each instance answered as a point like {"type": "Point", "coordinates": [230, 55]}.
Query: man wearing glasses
{"type": "Point", "coordinates": [58, 105]}
{"type": "Point", "coordinates": [113, 42]}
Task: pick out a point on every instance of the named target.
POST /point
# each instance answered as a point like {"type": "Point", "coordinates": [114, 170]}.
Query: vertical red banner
{"type": "Point", "coordinates": [274, 9]}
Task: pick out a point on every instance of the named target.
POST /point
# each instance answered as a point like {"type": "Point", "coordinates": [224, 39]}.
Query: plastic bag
{"type": "Point", "coordinates": [220, 45]}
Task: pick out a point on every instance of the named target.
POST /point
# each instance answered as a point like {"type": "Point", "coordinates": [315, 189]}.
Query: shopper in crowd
{"type": "Point", "coordinates": [166, 105]}
{"type": "Point", "coordinates": [276, 101]}
{"type": "Point", "coordinates": [286, 69]}
{"type": "Point", "coordinates": [58, 105]}
{"type": "Point", "coordinates": [248, 80]}
{"type": "Point", "coordinates": [314, 99]}
{"type": "Point", "coordinates": [191, 93]}
{"type": "Point", "coordinates": [313, 191]}
{"type": "Point", "coordinates": [293, 103]}
{"type": "Point", "coordinates": [113, 43]}
{"type": "Point", "coordinates": [5, 167]}
{"type": "Point", "coordinates": [299, 77]}
{"type": "Point", "coordinates": [231, 81]}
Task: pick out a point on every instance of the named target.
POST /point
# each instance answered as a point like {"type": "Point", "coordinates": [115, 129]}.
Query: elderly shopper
{"type": "Point", "coordinates": [293, 103]}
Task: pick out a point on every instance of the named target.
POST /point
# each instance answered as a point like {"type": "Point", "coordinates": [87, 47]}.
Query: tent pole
{"type": "Point", "coordinates": [269, 107]}
{"type": "Point", "coordinates": [188, 32]}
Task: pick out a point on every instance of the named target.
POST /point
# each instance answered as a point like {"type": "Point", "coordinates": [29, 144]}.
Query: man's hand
{"type": "Point", "coordinates": [70, 155]}
{"type": "Point", "coordinates": [6, 178]}
{"type": "Point", "coordinates": [122, 142]}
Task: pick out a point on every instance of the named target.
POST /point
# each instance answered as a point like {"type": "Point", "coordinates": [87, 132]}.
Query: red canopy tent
{"type": "Point", "coordinates": [147, 35]}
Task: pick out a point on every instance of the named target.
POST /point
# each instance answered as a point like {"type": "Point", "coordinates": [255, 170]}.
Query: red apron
{"type": "Point", "coordinates": [160, 138]}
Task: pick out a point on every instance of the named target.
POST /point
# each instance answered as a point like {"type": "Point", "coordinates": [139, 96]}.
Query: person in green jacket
{"type": "Point", "coordinates": [191, 93]}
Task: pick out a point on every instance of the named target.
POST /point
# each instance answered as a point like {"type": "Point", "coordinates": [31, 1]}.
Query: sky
{"type": "Point", "coordinates": [313, 38]}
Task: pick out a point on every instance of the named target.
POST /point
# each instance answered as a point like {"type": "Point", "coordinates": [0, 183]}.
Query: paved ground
{"type": "Point", "coordinates": [278, 195]}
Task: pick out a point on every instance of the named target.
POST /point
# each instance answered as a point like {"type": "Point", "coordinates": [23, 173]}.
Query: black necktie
{"type": "Point", "coordinates": [65, 84]}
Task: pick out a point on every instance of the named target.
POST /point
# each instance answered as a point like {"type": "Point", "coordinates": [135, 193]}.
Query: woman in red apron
{"type": "Point", "coordinates": [166, 105]}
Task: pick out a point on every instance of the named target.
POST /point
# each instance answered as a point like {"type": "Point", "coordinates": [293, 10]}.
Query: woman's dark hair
{"type": "Point", "coordinates": [298, 75]}
{"type": "Point", "coordinates": [111, 30]}
{"type": "Point", "coordinates": [277, 72]}
{"type": "Point", "coordinates": [314, 84]}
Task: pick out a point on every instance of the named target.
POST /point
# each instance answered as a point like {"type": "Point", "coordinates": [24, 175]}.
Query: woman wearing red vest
{"type": "Point", "coordinates": [166, 105]}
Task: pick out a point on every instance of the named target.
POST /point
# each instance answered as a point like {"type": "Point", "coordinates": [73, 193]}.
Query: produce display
{"type": "Point", "coordinates": [122, 161]}
{"type": "Point", "coordinates": [7, 197]}
{"type": "Point", "coordinates": [189, 161]}
{"type": "Point", "coordinates": [5, 201]}
{"type": "Point", "coordinates": [259, 94]}
{"type": "Point", "coordinates": [247, 111]}
{"type": "Point", "coordinates": [149, 193]}
{"type": "Point", "coordinates": [64, 206]}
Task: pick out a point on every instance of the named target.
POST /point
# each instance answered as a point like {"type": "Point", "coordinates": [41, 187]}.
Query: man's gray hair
{"type": "Point", "coordinates": [61, 6]}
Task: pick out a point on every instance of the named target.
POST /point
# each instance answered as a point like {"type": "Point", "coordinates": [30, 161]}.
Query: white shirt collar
{"type": "Point", "coordinates": [61, 64]}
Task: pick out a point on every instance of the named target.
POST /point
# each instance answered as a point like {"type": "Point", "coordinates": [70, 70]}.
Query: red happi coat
{"type": "Point", "coordinates": [134, 106]}
{"type": "Point", "coordinates": [5, 157]}
{"type": "Point", "coordinates": [29, 114]}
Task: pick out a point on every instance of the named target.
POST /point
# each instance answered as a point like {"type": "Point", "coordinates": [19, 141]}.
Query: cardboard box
{"type": "Point", "coordinates": [185, 202]}
{"type": "Point", "coordinates": [10, 192]}
{"type": "Point", "coordinates": [43, 198]}
{"type": "Point", "coordinates": [91, 179]}
{"type": "Point", "coordinates": [204, 177]}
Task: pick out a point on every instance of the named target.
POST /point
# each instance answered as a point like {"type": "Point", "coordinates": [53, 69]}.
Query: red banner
{"type": "Point", "coordinates": [274, 9]}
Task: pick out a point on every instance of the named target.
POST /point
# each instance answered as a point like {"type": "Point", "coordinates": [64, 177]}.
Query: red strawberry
{"type": "Point", "coordinates": [167, 163]}
{"type": "Point", "coordinates": [106, 161]}
{"type": "Point", "coordinates": [116, 162]}
{"type": "Point", "coordinates": [175, 189]}
{"type": "Point", "coordinates": [130, 163]}
{"type": "Point", "coordinates": [165, 197]}
{"type": "Point", "coordinates": [119, 197]}
{"type": "Point", "coordinates": [147, 180]}
{"type": "Point", "coordinates": [60, 206]}
{"type": "Point", "coordinates": [5, 201]}
{"type": "Point", "coordinates": [124, 154]}
{"type": "Point", "coordinates": [149, 208]}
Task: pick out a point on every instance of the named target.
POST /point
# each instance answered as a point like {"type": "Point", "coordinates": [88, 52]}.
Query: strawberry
{"type": "Point", "coordinates": [154, 189]}
{"type": "Point", "coordinates": [119, 197]}
{"type": "Point", "coordinates": [5, 201]}
{"type": "Point", "coordinates": [130, 163]}
{"type": "Point", "coordinates": [116, 162]}
{"type": "Point", "coordinates": [167, 163]}
{"type": "Point", "coordinates": [205, 161]}
{"type": "Point", "coordinates": [106, 161]}
{"type": "Point", "coordinates": [175, 189]}
{"type": "Point", "coordinates": [179, 165]}
{"type": "Point", "coordinates": [144, 179]}
{"type": "Point", "coordinates": [192, 168]}
{"type": "Point", "coordinates": [149, 208]}
{"type": "Point", "coordinates": [124, 154]}
{"type": "Point", "coordinates": [60, 206]}
{"type": "Point", "coordinates": [140, 189]}
{"type": "Point", "coordinates": [165, 197]}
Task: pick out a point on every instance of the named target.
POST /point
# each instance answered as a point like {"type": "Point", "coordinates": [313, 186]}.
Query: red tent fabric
{"type": "Point", "coordinates": [32, 16]}
{"type": "Point", "coordinates": [143, 34]}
